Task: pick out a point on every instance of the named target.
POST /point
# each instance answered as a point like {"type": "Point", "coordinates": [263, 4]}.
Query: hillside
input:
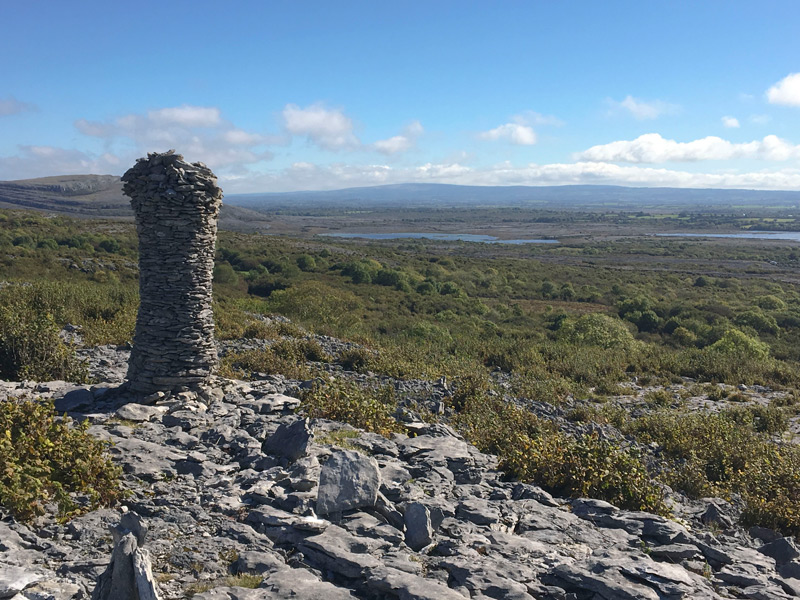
{"type": "Point", "coordinates": [238, 491]}
{"type": "Point", "coordinates": [93, 196]}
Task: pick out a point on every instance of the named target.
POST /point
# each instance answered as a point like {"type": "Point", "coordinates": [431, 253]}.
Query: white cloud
{"type": "Point", "coordinates": [520, 130]}
{"type": "Point", "coordinates": [197, 132]}
{"type": "Point", "coordinates": [643, 109]}
{"type": "Point", "coordinates": [12, 106]}
{"type": "Point", "coordinates": [239, 137]}
{"type": "Point", "coordinates": [402, 142]}
{"type": "Point", "coordinates": [307, 176]}
{"type": "Point", "coordinates": [188, 116]}
{"type": "Point", "coordinates": [786, 91]}
{"type": "Point", "coordinates": [652, 148]}
{"type": "Point", "coordinates": [328, 128]}
{"type": "Point", "coordinates": [521, 135]}
{"type": "Point", "coordinates": [731, 122]}
{"type": "Point", "coordinates": [760, 119]}
{"type": "Point", "coordinates": [40, 161]}
{"type": "Point", "coordinates": [393, 145]}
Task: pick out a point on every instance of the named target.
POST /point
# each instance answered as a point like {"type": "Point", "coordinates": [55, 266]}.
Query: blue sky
{"type": "Point", "coordinates": [278, 96]}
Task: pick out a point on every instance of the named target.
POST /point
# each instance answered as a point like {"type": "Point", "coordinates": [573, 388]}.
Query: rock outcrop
{"type": "Point", "coordinates": [226, 508]}
{"type": "Point", "coordinates": [128, 576]}
{"type": "Point", "coordinates": [176, 206]}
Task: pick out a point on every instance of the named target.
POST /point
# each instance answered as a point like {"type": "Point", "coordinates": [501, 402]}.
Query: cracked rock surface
{"type": "Point", "coordinates": [427, 517]}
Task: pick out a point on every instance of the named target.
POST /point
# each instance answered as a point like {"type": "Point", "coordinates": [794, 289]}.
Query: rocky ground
{"type": "Point", "coordinates": [233, 482]}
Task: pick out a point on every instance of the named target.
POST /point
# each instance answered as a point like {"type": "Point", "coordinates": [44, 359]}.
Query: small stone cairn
{"type": "Point", "coordinates": [129, 575]}
{"type": "Point", "coordinates": [176, 205]}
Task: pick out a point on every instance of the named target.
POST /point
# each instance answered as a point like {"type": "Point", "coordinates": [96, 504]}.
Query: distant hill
{"type": "Point", "coordinates": [566, 196]}
{"type": "Point", "coordinates": [82, 195]}
{"type": "Point", "coordinates": [100, 196]}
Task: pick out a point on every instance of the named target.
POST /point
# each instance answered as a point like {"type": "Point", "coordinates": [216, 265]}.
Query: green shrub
{"type": "Point", "coordinates": [285, 357]}
{"type": "Point", "coordinates": [47, 244]}
{"type": "Point", "coordinates": [596, 329]}
{"type": "Point", "coordinates": [770, 302]}
{"type": "Point", "coordinates": [357, 359]}
{"type": "Point", "coordinates": [109, 245]}
{"type": "Point", "coordinates": [46, 460]}
{"type": "Point", "coordinates": [451, 288]}
{"type": "Point", "coordinates": [359, 272]}
{"type": "Point", "coordinates": [260, 330]}
{"type": "Point", "coordinates": [586, 466]}
{"type": "Point", "coordinates": [531, 449]}
{"type": "Point", "coordinates": [426, 288]}
{"type": "Point", "coordinates": [306, 262]}
{"type": "Point", "coordinates": [714, 455]}
{"type": "Point", "coordinates": [313, 302]}
{"type": "Point", "coordinates": [759, 321]}
{"type": "Point", "coordinates": [763, 419]}
{"type": "Point", "coordinates": [660, 397]}
{"type": "Point", "coordinates": [30, 346]}
{"type": "Point", "coordinates": [363, 407]}
{"type": "Point", "coordinates": [736, 344]}
{"type": "Point", "coordinates": [225, 275]}
{"type": "Point", "coordinates": [684, 336]}
{"type": "Point", "coordinates": [771, 490]}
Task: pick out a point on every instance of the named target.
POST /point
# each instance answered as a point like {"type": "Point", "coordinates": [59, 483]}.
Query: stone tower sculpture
{"type": "Point", "coordinates": [176, 205]}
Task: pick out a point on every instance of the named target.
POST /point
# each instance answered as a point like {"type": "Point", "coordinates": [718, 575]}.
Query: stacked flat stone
{"type": "Point", "coordinates": [176, 205]}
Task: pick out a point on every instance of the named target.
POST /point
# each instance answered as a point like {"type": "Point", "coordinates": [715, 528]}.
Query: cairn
{"type": "Point", "coordinates": [176, 205]}
{"type": "Point", "coordinates": [129, 575]}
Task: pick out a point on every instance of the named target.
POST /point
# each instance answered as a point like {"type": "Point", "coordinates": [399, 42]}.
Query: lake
{"type": "Point", "coordinates": [793, 236]}
{"type": "Point", "coordinates": [447, 237]}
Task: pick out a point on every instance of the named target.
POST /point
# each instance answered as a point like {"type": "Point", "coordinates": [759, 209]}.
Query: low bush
{"type": "Point", "coordinates": [534, 450]}
{"type": "Point", "coordinates": [357, 359]}
{"type": "Point", "coordinates": [714, 455]}
{"type": "Point", "coordinates": [596, 329]}
{"type": "Point", "coordinates": [44, 460]}
{"type": "Point", "coordinates": [367, 408]}
{"type": "Point", "coordinates": [30, 346]}
{"type": "Point", "coordinates": [286, 357]}
{"type": "Point", "coordinates": [659, 397]}
{"type": "Point", "coordinates": [763, 419]}
{"type": "Point", "coordinates": [260, 330]}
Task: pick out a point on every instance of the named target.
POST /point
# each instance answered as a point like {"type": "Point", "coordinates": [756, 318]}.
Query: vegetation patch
{"type": "Point", "coordinates": [726, 453]}
{"type": "Point", "coordinates": [45, 459]}
{"type": "Point", "coordinates": [367, 408]}
{"type": "Point", "coordinates": [30, 345]}
{"type": "Point", "coordinates": [531, 449]}
{"type": "Point", "coordinates": [244, 580]}
{"type": "Point", "coordinates": [287, 356]}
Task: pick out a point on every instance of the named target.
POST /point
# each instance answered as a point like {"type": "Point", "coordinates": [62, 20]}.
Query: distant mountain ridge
{"type": "Point", "coordinates": [429, 194]}
{"type": "Point", "coordinates": [83, 195]}
{"type": "Point", "coordinates": [100, 196]}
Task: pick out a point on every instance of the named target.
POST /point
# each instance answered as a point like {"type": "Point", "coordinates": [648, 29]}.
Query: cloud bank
{"type": "Point", "coordinates": [307, 176]}
{"type": "Point", "coordinates": [652, 148]}
{"type": "Point", "coordinates": [198, 132]}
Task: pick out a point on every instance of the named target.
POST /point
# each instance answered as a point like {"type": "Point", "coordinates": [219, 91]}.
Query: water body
{"type": "Point", "coordinates": [447, 237]}
{"type": "Point", "coordinates": [793, 236]}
